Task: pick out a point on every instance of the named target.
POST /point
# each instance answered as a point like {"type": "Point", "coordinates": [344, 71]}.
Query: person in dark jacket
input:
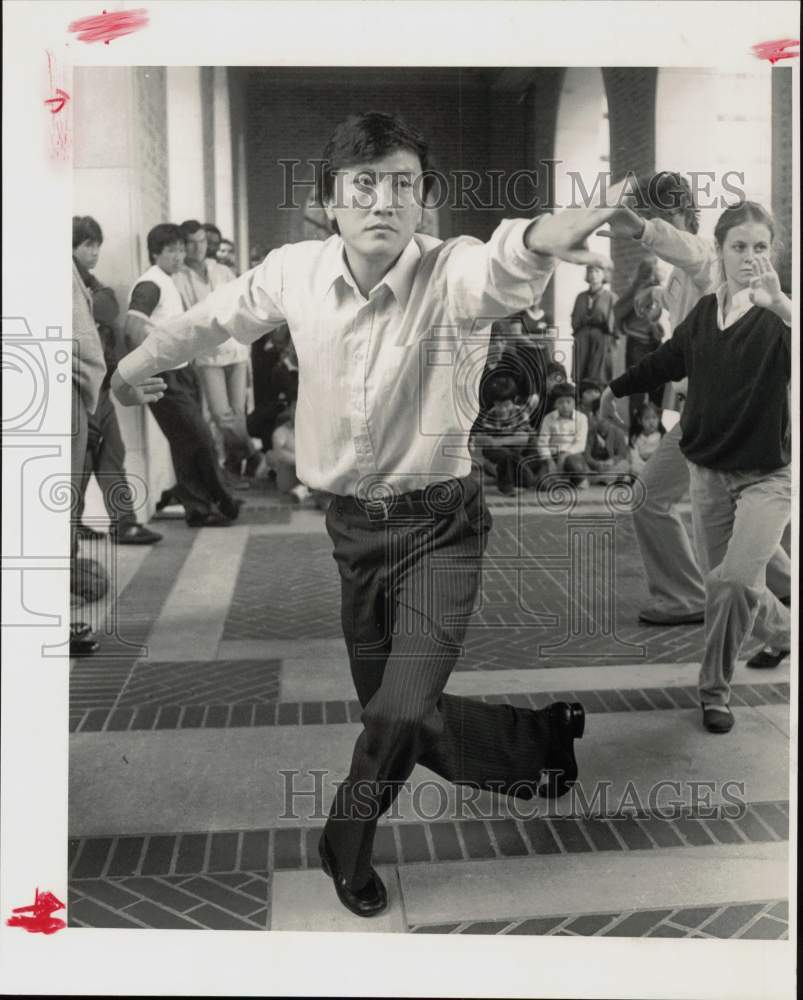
{"type": "Point", "coordinates": [735, 349]}
{"type": "Point", "coordinates": [105, 451]}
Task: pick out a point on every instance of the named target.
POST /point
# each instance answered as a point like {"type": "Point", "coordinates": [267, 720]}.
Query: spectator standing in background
{"type": "Point", "coordinates": [105, 451]}
{"type": "Point", "coordinates": [593, 329]}
{"type": "Point", "coordinates": [224, 370]}
{"type": "Point", "coordinates": [213, 240]}
{"type": "Point", "coordinates": [156, 300]}
{"type": "Point", "coordinates": [638, 319]}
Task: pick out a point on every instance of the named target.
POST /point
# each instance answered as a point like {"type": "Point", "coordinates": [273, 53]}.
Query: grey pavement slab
{"type": "Point", "coordinates": [542, 886]}
{"type": "Point", "coordinates": [205, 780]}
{"type": "Point", "coordinates": [280, 649]}
{"type": "Point", "coordinates": [306, 901]}
{"type": "Point", "coordinates": [314, 678]}
{"type": "Point", "coordinates": [191, 623]}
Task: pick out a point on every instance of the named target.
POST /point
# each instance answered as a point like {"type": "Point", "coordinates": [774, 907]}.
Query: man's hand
{"type": "Point", "coordinates": [607, 407]}
{"type": "Point", "coordinates": [624, 223]}
{"type": "Point", "coordinates": [564, 235]}
{"type": "Point", "coordinates": [149, 390]}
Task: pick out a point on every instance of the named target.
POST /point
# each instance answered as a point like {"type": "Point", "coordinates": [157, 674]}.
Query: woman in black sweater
{"type": "Point", "coordinates": [735, 349]}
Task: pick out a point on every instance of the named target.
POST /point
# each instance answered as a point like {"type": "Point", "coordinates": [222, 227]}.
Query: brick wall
{"type": "Point", "coordinates": [290, 113]}
{"type": "Point", "coordinates": [782, 180]}
{"type": "Point", "coordinates": [631, 113]}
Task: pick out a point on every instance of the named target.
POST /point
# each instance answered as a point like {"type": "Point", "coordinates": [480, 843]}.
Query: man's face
{"type": "Point", "coordinates": [87, 254]}
{"type": "Point", "coordinates": [169, 260]}
{"type": "Point", "coordinates": [212, 244]}
{"type": "Point", "coordinates": [565, 406]}
{"type": "Point", "coordinates": [196, 246]}
{"type": "Point", "coordinates": [376, 206]}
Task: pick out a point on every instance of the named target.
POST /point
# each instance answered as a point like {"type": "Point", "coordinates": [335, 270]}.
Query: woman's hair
{"type": "Point", "coordinates": [501, 387]}
{"type": "Point", "coordinates": [737, 215]}
{"type": "Point", "coordinates": [367, 137]}
{"type": "Point", "coordinates": [85, 230]}
{"type": "Point", "coordinates": [162, 236]}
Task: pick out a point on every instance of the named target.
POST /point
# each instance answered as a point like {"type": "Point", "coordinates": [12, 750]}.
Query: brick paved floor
{"type": "Point", "coordinates": [287, 592]}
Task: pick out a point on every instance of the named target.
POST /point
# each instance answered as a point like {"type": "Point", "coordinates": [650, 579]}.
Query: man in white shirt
{"type": "Point", "coordinates": [383, 319]}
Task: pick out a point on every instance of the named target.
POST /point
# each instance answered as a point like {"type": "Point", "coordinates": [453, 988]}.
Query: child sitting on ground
{"type": "Point", "coordinates": [607, 452]}
{"type": "Point", "coordinates": [282, 456]}
{"type": "Point", "coordinates": [561, 441]}
{"type": "Point", "coordinates": [503, 432]}
{"type": "Point", "coordinates": [646, 441]}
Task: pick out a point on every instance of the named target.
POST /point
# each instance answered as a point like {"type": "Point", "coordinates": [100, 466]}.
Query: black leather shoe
{"type": "Point", "coordinates": [212, 520]}
{"type": "Point", "coordinates": [765, 660]}
{"type": "Point", "coordinates": [82, 640]}
{"type": "Point", "coordinates": [230, 507]}
{"type": "Point", "coordinates": [84, 531]}
{"type": "Point", "coordinates": [368, 901]}
{"type": "Point", "coordinates": [717, 721]}
{"type": "Point", "coordinates": [566, 724]}
{"type": "Point", "coordinates": [134, 534]}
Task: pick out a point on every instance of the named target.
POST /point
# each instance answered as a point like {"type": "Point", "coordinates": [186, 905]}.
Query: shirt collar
{"type": "Point", "coordinates": [399, 278]}
{"type": "Point", "coordinates": [739, 304]}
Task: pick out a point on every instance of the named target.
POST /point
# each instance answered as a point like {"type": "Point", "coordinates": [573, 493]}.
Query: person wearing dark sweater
{"type": "Point", "coordinates": [735, 349]}
{"type": "Point", "coordinates": [105, 451]}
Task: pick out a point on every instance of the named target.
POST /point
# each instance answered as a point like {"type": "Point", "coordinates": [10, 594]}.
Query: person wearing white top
{"type": "Point", "coordinates": [223, 371]}
{"type": "Point", "coordinates": [155, 300]}
{"type": "Point", "coordinates": [391, 328]}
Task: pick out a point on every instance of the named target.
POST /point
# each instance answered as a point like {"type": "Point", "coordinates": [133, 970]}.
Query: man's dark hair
{"type": "Point", "coordinates": [364, 138]}
{"type": "Point", "coordinates": [501, 387]}
{"type": "Point", "coordinates": [190, 227]}
{"type": "Point", "coordinates": [213, 230]}
{"type": "Point", "coordinates": [85, 230]}
{"type": "Point", "coordinates": [162, 236]}
{"type": "Point", "coordinates": [665, 193]}
{"type": "Point", "coordinates": [564, 389]}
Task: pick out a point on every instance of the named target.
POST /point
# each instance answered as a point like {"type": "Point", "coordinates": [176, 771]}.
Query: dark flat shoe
{"type": "Point", "coordinates": [764, 660]}
{"type": "Point", "coordinates": [211, 520]}
{"type": "Point", "coordinates": [368, 901]}
{"type": "Point", "coordinates": [566, 724]}
{"type": "Point", "coordinates": [717, 721]}
{"type": "Point", "coordinates": [134, 534]}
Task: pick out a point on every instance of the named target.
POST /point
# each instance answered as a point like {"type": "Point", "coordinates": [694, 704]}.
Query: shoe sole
{"type": "Point", "coordinates": [693, 620]}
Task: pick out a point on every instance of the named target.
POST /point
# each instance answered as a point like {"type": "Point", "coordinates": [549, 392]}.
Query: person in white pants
{"type": "Point", "coordinates": [666, 222]}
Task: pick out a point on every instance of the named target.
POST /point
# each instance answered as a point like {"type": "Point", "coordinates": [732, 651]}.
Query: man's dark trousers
{"type": "Point", "coordinates": [105, 456]}
{"type": "Point", "coordinates": [409, 582]}
{"type": "Point", "coordinates": [199, 482]}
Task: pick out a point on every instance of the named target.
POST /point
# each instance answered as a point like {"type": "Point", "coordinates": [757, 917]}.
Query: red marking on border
{"type": "Point", "coordinates": [38, 917]}
{"type": "Point", "coordinates": [59, 124]}
{"type": "Point", "coordinates": [61, 99]}
{"type": "Point", "coordinates": [777, 50]}
{"type": "Point", "coordinates": [107, 26]}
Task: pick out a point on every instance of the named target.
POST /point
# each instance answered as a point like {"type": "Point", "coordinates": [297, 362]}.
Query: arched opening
{"type": "Point", "coordinates": [582, 149]}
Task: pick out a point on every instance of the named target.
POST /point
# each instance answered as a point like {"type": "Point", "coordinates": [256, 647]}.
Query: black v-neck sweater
{"type": "Point", "coordinates": [736, 414]}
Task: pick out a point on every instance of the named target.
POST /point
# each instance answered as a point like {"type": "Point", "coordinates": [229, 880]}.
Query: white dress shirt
{"type": "Point", "coordinates": [388, 385]}
{"type": "Point", "coordinates": [193, 289]}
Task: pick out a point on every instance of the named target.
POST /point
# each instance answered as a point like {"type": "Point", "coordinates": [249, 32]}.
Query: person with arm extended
{"type": "Point", "coordinates": [666, 222]}
{"type": "Point", "coordinates": [734, 348]}
{"type": "Point", "coordinates": [381, 426]}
